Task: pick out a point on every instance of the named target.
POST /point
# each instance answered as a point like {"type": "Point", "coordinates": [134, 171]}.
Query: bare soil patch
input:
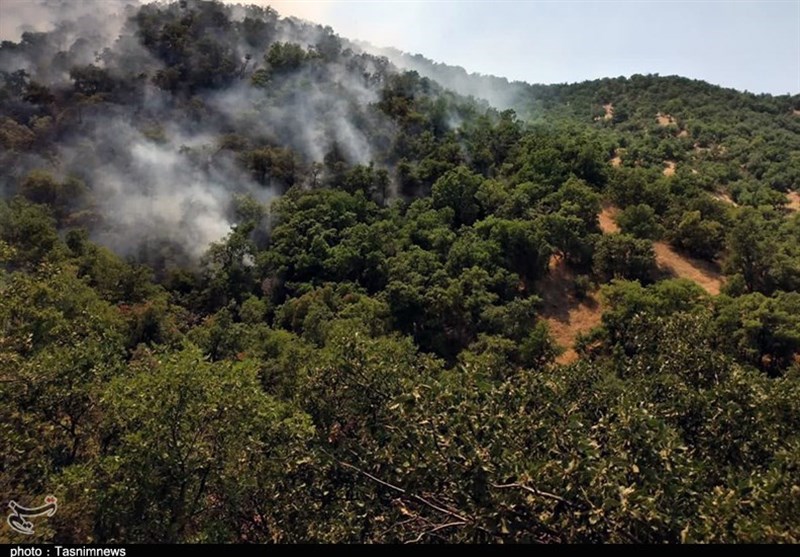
{"type": "Point", "coordinates": [669, 168]}
{"type": "Point", "coordinates": [703, 273]}
{"type": "Point", "coordinates": [724, 197]}
{"type": "Point", "coordinates": [665, 119]}
{"type": "Point", "coordinates": [794, 200]}
{"type": "Point", "coordinates": [607, 218]}
{"type": "Point", "coordinates": [566, 315]}
{"type": "Point", "coordinates": [707, 275]}
{"type": "Point", "coordinates": [609, 108]}
{"type": "Point", "coordinates": [616, 160]}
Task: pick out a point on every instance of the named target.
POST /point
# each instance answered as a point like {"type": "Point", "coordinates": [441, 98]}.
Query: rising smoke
{"type": "Point", "coordinates": [151, 155]}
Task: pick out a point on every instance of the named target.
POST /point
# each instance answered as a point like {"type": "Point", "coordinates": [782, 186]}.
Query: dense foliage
{"type": "Point", "coordinates": [362, 355]}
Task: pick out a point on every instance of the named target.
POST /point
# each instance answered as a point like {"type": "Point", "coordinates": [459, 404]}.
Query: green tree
{"type": "Point", "coordinates": [284, 57]}
{"type": "Point", "coordinates": [640, 221]}
{"type": "Point", "coordinates": [761, 331]}
{"type": "Point", "coordinates": [189, 438]}
{"type": "Point", "coordinates": [458, 189]}
{"type": "Point", "coordinates": [750, 250]}
{"type": "Point", "coordinates": [701, 237]}
{"type": "Point", "coordinates": [623, 256]}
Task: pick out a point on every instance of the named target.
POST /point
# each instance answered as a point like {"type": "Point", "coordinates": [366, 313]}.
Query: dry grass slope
{"type": "Point", "coordinates": [794, 200]}
{"type": "Point", "coordinates": [616, 160]}
{"type": "Point", "coordinates": [566, 315]}
{"type": "Point", "coordinates": [608, 219]}
{"type": "Point", "coordinates": [724, 197]}
{"type": "Point", "coordinates": [665, 119]}
{"type": "Point", "coordinates": [670, 261]}
{"type": "Point", "coordinates": [682, 266]}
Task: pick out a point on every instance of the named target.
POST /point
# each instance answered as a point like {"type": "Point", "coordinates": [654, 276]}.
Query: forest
{"type": "Point", "coordinates": [263, 284]}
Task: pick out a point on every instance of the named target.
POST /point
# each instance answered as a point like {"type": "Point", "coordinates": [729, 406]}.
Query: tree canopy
{"type": "Point", "coordinates": [262, 286]}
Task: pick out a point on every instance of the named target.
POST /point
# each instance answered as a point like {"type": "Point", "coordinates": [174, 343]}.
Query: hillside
{"type": "Point", "coordinates": [262, 285]}
{"type": "Point", "coordinates": [742, 144]}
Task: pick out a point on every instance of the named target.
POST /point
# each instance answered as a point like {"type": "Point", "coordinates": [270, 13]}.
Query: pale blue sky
{"type": "Point", "coordinates": [747, 45]}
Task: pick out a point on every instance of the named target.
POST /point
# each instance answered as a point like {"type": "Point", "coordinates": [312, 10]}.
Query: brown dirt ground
{"type": "Point", "coordinates": [566, 315]}
{"type": "Point", "coordinates": [796, 112]}
{"type": "Point", "coordinates": [724, 197]}
{"type": "Point", "coordinates": [683, 133]}
{"type": "Point", "coordinates": [609, 108]}
{"type": "Point", "coordinates": [607, 217]}
{"type": "Point", "coordinates": [616, 161]}
{"type": "Point", "coordinates": [703, 273]}
{"type": "Point", "coordinates": [669, 169]}
{"type": "Point", "coordinates": [794, 200]}
{"type": "Point", "coordinates": [665, 119]}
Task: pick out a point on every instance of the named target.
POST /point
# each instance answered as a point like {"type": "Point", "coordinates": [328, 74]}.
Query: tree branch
{"type": "Point", "coordinates": [536, 492]}
{"type": "Point", "coordinates": [402, 491]}
{"type": "Point", "coordinates": [436, 529]}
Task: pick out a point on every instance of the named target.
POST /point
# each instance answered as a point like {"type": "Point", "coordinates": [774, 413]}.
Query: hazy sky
{"type": "Point", "coordinates": [742, 44]}
{"type": "Point", "coordinates": [752, 45]}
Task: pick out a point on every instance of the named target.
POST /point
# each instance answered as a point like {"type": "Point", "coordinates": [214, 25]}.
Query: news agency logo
{"type": "Point", "coordinates": [19, 514]}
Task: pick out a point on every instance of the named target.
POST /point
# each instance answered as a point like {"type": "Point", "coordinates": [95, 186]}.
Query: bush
{"type": "Point", "coordinates": [623, 256]}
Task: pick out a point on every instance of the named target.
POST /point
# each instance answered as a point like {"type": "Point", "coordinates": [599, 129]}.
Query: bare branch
{"type": "Point", "coordinates": [402, 491]}
{"type": "Point", "coordinates": [371, 477]}
{"type": "Point", "coordinates": [436, 529]}
{"type": "Point", "coordinates": [533, 490]}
